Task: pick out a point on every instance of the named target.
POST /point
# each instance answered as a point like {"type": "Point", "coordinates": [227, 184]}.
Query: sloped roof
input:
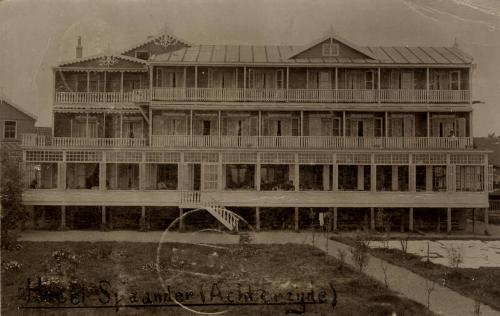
{"type": "Point", "coordinates": [336, 37]}
{"type": "Point", "coordinates": [93, 57]}
{"type": "Point", "coordinates": [153, 38]}
{"type": "Point", "coordinates": [220, 54]}
{"type": "Point", "coordinates": [4, 99]}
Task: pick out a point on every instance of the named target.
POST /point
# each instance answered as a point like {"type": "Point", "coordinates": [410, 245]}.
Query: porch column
{"type": "Point", "coordinates": [142, 223]}
{"type": "Point", "coordinates": [102, 176]}
{"type": "Point", "coordinates": [191, 122]}
{"type": "Point", "coordinates": [326, 177]}
{"type": "Point", "coordinates": [245, 87]}
{"type": "Point", "coordinates": [257, 218]}
{"type": "Point", "coordinates": [428, 124]}
{"type": "Point", "coordinates": [142, 176]}
{"type": "Point", "coordinates": [88, 81]}
{"type": "Point", "coordinates": [486, 221]}
{"type": "Point", "coordinates": [428, 178]}
{"type": "Point", "coordinates": [151, 91]}
{"type": "Point", "coordinates": [121, 85]}
{"type": "Point", "coordinates": [63, 218]}
{"type": "Point", "coordinates": [103, 217]}
{"type": "Point", "coordinates": [394, 179]}
{"type": "Point", "coordinates": [301, 123]}
{"type": "Point", "coordinates": [257, 175]}
{"type": "Point", "coordinates": [121, 125]}
{"type": "Point", "coordinates": [361, 177]}
{"type": "Point", "coordinates": [296, 180]}
{"type": "Point", "coordinates": [296, 219]}
{"type": "Point", "coordinates": [412, 175]}
{"type": "Point", "coordinates": [87, 125]}
{"type": "Point", "coordinates": [61, 172]}
{"type": "Point", "coordinates": [259, 126]}
{"type": "Point", "coordinates": [219, 126]}
{"type": "Point", "coordinates": [410, 218]}
{"type": "Point", "coordinates": [184, 78]}
{"type": "Point", "coordinates": [181, 220]}
{"type": "Point", "coordinates": [386, 124]}
{"type": "Point", "coordinates": [448, 219]}
{"type": "Point", "coordinates": [287, 81]}
{"type": "Point", "coordinates": [335, 178]}
{"type": "Point", "coordinates": [196, 77]}
{"type": "Point", "coordinates": [150, 126]}
{"type": "Point", "coordinates": [373, 178]}
{"type": "Point", "coordinates": [343, 124]}
{"type": "Point", "coordinates": [378, 89]}
{"type": "Point", "coordinates": [335, 218]}
{"type": "Point", "coordinates": [337, 85]}
{"type": "Point", "coordinates": [372, 218]}
{"type": "Point", "coordinates": [427, 84]}
{"type": "Point", "coordinates": [307, 78]}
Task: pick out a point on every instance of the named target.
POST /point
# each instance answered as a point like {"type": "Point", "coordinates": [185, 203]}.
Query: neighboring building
{"type": "Point", "coordinates": [14, 121]}
{"type": "Point", "coordinates": [282, 135]}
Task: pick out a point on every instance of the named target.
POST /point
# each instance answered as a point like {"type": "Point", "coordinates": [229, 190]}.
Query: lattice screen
{"type": "Point", "coordinates": [84, 156]}
{"type": "Point", "coordinates": [44, 155]}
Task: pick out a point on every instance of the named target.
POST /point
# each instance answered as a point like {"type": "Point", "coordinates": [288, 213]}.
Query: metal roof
{"type": "Point", "coordinates": [272, 54]}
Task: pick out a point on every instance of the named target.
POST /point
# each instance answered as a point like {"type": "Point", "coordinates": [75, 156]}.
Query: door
{"type": "Point", "coordinates": [407, 80]}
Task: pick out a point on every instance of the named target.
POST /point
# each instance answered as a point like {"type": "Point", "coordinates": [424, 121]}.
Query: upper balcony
{"type": "Point", "coordinates": [273, 85]}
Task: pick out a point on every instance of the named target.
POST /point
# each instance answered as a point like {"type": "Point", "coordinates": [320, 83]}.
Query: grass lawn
{"type": "Point", "coordinates": [277, 277]}
{"type": "Point", "coordinates": [482, 284]}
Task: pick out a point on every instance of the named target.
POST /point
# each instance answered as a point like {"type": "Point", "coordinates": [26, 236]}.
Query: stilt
{"type": "Point", "coordinates": [372, 218]}
{"type": "Point", "coordinates": [410, 225]}
{"type": "Point", "coordinates": [334, 218]}
{"type": "Point", "coordinates": [257, 218]}
{"type": "Point", "coordinates": [296, 219]}
{"type": "Point", "coordinates": [486, 221]}
{"type": "Point", "coordinates": [181, 220]}
{"type": "Point", "coordinates": [448, 220]}
{"type": "Point", "coordinates": [63, 218]}
{"type": "Point", "coordinates": [103, 217]}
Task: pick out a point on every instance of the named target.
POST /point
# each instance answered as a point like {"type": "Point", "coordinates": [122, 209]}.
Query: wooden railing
{"type": "Point", "coordinates": [310, 95]}
{"type": "Point", "coordinates": [495, 205]}
{"type": "Point", "coordinates": [190, 198]}
{"type": "Point", "coordinates": [33, 140]}
{"type": "Point", "coordinates": [318, 142]}
{"type": "Point", "coordinates": [94, 97]}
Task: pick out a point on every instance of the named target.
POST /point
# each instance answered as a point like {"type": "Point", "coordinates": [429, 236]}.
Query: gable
{"type": "Point", "coordinates": [102, 61]}
{"type": "Point", "coordinates": [345, 51]}
{"type": "Point", "coordinates": [11, 112]}
{"type": "Point", "coordinates": [159, 44]}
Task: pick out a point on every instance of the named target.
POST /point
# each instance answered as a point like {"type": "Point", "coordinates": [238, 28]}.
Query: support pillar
{"type": "Point", "coordinates": [63, 218]}
{"type": "Point", "coordinates": [257, 176]}
{"type": "Point", "coordinates": [361, 178]}
{"type": "Point", "coordinates": [373, 178]}
{"type": "Point", "coordinates": [486, 221]}
{"type": "Point", "coordinates": [335, 218]}
{"type": "Point", "coordinates": [448, 220]}
{"type": "Point", "coordinates": [412, 178]}
{"type": "Point", "coordinates": [102, 176]}
{"type": "Point", "coordinates": [372, 218]}
{"type": "Point", "coordinates": [296, 180]}
{"type": "Point", "coordinates": [61, 172]}
{"type": "Point", "coordinates": [296, 219]}
{"type": "Point", "coordinates": [257, 218]}
{"type": "Point", "coordinates": [103, 217]}
{"type": "Point", "coordinates": [428, 178]}
{"type": "Point", "coordinates": [142, 176]}
{"type": "Point", "coordinates": [335, 178]}
{"type": "Point", "coordinates": [410, 217]}
{"type": "Point", "coordinates": [394, 179]}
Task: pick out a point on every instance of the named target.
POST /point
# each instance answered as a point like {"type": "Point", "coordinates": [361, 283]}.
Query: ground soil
{"type": "Point", "coordinates": [130, 270]}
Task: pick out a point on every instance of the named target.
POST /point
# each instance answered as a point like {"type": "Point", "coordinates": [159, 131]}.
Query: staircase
{"type": "Point", "coordinates": [195, 199]}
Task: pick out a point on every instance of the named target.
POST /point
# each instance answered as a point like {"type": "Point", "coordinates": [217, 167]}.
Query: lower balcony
{"type": "Point", "coordinates": [33, 140]}
{"type": "Point", "coordinates": [311, 142]}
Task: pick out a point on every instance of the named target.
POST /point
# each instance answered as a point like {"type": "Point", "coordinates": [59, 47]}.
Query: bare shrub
{"type": "Point", "coordinates": [359, 252]}
{"type": "Point", "coordinates": [384, 267]}
{"type": "Point", "coordinates": [404, 243]}
{"type": "Point", "coordinates": [455, 256]}
{"type": "Point", "coordinates": [429, 288]}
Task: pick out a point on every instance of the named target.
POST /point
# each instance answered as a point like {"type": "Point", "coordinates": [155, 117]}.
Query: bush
{"type": "Point", "coordinates": [11, 265]}
{"type": "Point", "coordinates": [359, 251]}
{"type": "Point", "coordinates": [455, 256]}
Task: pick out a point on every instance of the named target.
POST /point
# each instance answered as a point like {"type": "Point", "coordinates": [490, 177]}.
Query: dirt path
{"type": "Point", "coordinates": [443, 301]}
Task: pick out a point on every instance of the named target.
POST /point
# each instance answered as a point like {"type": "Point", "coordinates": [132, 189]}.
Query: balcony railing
{"type": "Point", "coordinates": [310, 95]}
{"type": "Point", "coordinates": [310, 142]}
{"type": "Point", "coordinates": [34, 140]}
{"type": "Point", "coordinates": [267, 95]}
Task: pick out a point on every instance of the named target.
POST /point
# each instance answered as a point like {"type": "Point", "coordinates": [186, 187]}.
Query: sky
{"type": "Point", "coordinates": [35, 35]}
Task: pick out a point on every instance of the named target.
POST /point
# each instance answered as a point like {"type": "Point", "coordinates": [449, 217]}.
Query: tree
{"type": "Point", "coordinates": [13, 214]}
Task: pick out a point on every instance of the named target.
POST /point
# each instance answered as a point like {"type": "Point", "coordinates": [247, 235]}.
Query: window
{"type": "Point", "coordinates": [455, 80]}
{"type": "Point", "coordinates": [330, 49]}
{"type": "Point", "coordinates": [10, 129]}
{"type": "Point", "coordinates": [142, 55]}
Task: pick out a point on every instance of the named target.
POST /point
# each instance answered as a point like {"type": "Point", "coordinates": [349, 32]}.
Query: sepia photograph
{"type": "Point", "coordinates": [250, 157]}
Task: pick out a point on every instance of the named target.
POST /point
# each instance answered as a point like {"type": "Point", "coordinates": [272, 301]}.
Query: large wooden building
{"type": "Point", "coordinates": [284, 136]}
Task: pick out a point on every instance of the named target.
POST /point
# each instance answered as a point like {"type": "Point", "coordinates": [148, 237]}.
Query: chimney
{"type": "Point", "coordinates": [79, 48]}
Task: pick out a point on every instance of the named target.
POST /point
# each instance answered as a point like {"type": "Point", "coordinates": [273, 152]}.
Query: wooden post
{"type": "Point", "coordinates": [428, 178]}
{"type": "Point", "coordinates": [191, 122]}
{"type": "Point", "coordinates": [296, 180]}
{"type": "Point", "coordinates": [105, 88]}
{"type": "Point", "coordinates": [103, 217]}
{"type": "Point", "coordinates": [142, 221]}
{"type": "Point", "coordinates": [427, 84]}
{"type": "Point", "coordinates": [394, 179]}
{"type": "Point", "coordinates": [296, 219]}
{"type": "Point", "coordinates": [373, 178]}
{"type": "Point", "coordinates": [121, 125]}
{"type": "Point", "coordinates": [372, 218]}
{"type": "Point", "coordinates": [307, 78]}
{"type": "Point", "coordinates": [448, 220]}
{"type": "Point", "coordinates": [219, 127]}
{"type": "Point", "coordinates": [336, 84]}
{"type": "Point", "coordinates": [410, 217]}
{"type": "Point", "coordinates": [301, 123]}
{"type": "Point", "coordinates": [361, 177]}
{"type": "Point", "coordinates": [87, 125]}
{"type": "Point", "coordinates": [102, 176]}
{"type": "Point", "coordinates": [257, 218]}
{"type": "Point", "coordinates": [257, 174]}
{"type": "Point", "coordinates": [486, 221]}
{"type": "Point", "coordinates": [287, 81]}
{"type": "Point", "coordinates": [428, 124]}
{"type": "Point", "coordinates": [196, 78]}
{"type": "Point", "coordinates": [121, 85]}
{"type": "Point", "coordinates": [378, 88]}
{"type": "Point", "coordinates": [61, 172]}
{"type": "Point", "coordinates": [245, 85]}
{"type": "Point", "coordinates": [343, 124]}
{"type": "Point", "coordinates": [150, 126]}
{"type": "Point", "coordinates": [63, 218]}
{"type": "Point", "coordinates": [386, 125]}
{"type": "Point", "coordinates": [88, 81]}
{"type": "Point", "coordinates": [335, 177]}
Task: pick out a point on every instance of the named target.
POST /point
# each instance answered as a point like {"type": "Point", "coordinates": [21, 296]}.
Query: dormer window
{"type": "Point", "coordinates": [144, 55]}
{"type": "Point", "coordinates": [330, 49]}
